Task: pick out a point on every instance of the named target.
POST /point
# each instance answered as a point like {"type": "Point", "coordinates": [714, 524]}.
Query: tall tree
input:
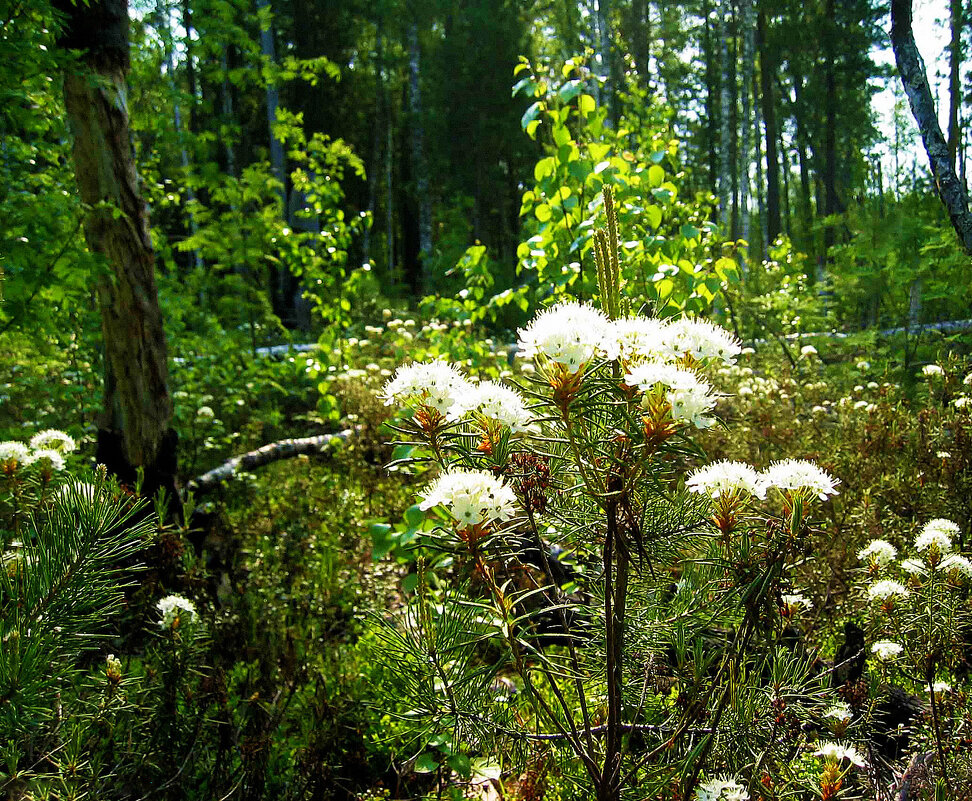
{"type": "Point", "coordinates": [419, 162]}
{"type": "Point", "coordinates": [748, 69]}
{"type": "Point", "coordinates": [957, 23]}
{"type": "Point", "coordinates": [915, 83]}
{"type": "Point", "coordinates": [767, 79]}
{"type": "Point", "coordinates": [135, 427]}
{"type": "Point", "coordinates": [725, 118]}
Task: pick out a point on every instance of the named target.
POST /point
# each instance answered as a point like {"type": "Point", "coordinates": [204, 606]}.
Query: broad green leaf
{"type": "Point", "coordinates": [426, 763]}
{"type": "Point", "coordinates": [586, 104]}
{"type": "Point", "coordinates": [654, 214]}
{"type": "Point", "coordinates": [656, 175]}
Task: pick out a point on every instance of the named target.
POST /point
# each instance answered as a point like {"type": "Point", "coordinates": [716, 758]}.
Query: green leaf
{"type": "Point", "coordinates": [561, 135]}
{"type": "Point", "coordinates": [690, 231]}
{"type": "Point", "coordinates": [460, 764]}
{"type": "Point", "coordinates": [586, 104]}
{"type": "Point", "coordinates": [426, 763]}
{"type": "Point", "coordinates": [414, 515]}
{"type": "Point", "coordinates": [544, 167]}
{"type": "Point", "coordinates": [531, 113]}
{"type": "Point", "coordinates": [569, 91]}
{"type": "Point", "coordinates": [656, 175]}
{"type": "Point", "coordinates": [542, 212]}
{"type": "Point", "coordinates": [654, 214]}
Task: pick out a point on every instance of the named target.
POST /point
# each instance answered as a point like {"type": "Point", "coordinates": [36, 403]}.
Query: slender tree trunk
{"type": "Point", "coordinates": [135, 427]}
{"type": "Point", "coordinates": [832, 202]}
{"type": "Point", "coordinates": [912, 73]}
{"type": "Point", "coordinates": [954, 79]}
{"type": "Point", "coordinates": [760, 200]}
{"type": "Point", "coordinates": [419, 161]}
{"type": "Point", "coordinates": [226, 98]}
{"type": "Point", "coordinates": [767, 75]}
{"type": "Point", "coordinates": [725, 120]}
{"type": "Point", "coordinates": [747, 36]}
{"type": "Point", "coordinates": [190, 66]}
{"type": "Point", "coordinates": [377, 134]}
{"type": "Point", "coordinates": [711, 97]}
{"type": "Point", "coordinates": [787, 211]}
{"type": "Point", "coordinates": [641, 46]}
{"type": "Point", "coordinates": [281, 281]}
{"type": "Point", "coordinates": [167, 43]}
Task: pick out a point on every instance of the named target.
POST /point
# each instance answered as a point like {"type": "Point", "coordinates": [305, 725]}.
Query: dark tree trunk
{"type": "Point", "coordinates": [711, 97]}
{"type": "Point", "coordinates": [135, 428]}
{"type": "Point", "coordinates": [915, 84]}
{"type": "Point", "coordinates": [832, 202]}
{"type": "Point", "coordinates": [767, 77]}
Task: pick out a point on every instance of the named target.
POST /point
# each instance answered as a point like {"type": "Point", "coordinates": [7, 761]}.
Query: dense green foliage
{"type": "Point", "coordinates": [389, 182]}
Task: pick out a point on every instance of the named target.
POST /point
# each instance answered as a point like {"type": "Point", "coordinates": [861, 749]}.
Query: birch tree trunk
{"type": "Point", "coordinates": [135, 425]}
{"type": "Point", "coordinates": [419, 163]}
{"type": "Point", "coordinates": [912, 73]}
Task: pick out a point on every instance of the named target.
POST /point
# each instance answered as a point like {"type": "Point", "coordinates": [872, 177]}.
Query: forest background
{"type": "Point", "coordinates": [397, 180]}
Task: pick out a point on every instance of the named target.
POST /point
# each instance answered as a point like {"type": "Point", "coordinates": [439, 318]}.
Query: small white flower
{"type": "Point", "coordinates": [878, 552]}
{"type": "Point", "coordinates": [799, 474]}
{"type": "Point", "coordinates": [914, 567]}
{"type": "Point", "coordinates": [637, 338]}
{"type": "Point", "coordinates": [434, 384]}
{"type": "Point", "coordinates": [873, 385]}
{"type": "Point", "coordinates": [205, 413]}
{"type": "Point", "coordinates": [941, 687]}
{"type": "Point", "coordinates": [961, 402]}
{"type": "Point", "coordinates": [472, 497]}
{"type": "Point", "coordinates": [52, 439]}
{"type": "Point", "coordinates": [701, 340]}
{"type": "Point", "coordinates": [721, 789]}
{"type": "Point", "coordinates": [930, 370]}
{"type": "Point", "coordinates": [943, 455]}
{"type": "Point", "coordinates": [967, 381]}
{"type": "Point", "coordinates": [938, 532]}
{"type": "Point", "coordinates": [570, 334]}
{"type": "Point", "coordinates": [861, 404]}
{"type": "Point", "coordinates": [688, 395]}
{"type": "Point", "coordinates": [12, 451]}
{"type": "Point", "coordinates": [958, 563]}
{"type": "Point", "coordinates": [838, 752]}
{"type": "Point", "coordinates": [807, 351]}
{"type": "Point", "coordinates": [495, 402]}
{"type": "Point", "coordinates": [886, 650]}
{"type": "Point", "coordinates": [49, 455]}
{"type": "Point", "coordinates": [883, 590]}
{"type": "Point", "coordinates": [176, 611]}
{"type": "Point", "coordinates": [726, 477]}
{"type": "Point", "coordinates": [796, 601]}
{"type": "Point", "coordinates": [840, 711]}
{"type": "Point", "coordinates": [863, 365]}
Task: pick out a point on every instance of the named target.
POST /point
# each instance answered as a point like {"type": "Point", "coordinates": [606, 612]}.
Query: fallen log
{"type": "Point", "coordinates": [275, 451]}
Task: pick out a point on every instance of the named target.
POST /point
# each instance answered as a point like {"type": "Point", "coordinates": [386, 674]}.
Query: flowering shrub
{"type": "Point", "coordinates": [655, 653]}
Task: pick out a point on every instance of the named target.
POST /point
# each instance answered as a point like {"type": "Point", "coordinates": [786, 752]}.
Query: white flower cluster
{"type": "Point", "coordinates": [728, 477]}
{"type": "Point", "coordinates": [840, 711]}
{"type": "Point", "coordinates": [878, 552]}
{"type": "Point", "coordinates": [434, 384]}
{"type": "Point", "coordinates": [721, 789]}
{"type": "Point", "coordinates": [176, 611]}
{"type": "Point", "coordinates": [52, 439]}
{"type": "Point", "coordinates": [495, 402]}
{"type": "Point", "coordinates": [885, 589]}
{"type": "Point", "coordinates": [799, 474]}
{"type": "Point", "coordinates": [931, 370]}
{"type": "Point", "coordinates": [795, 601]}
{"type": "Point", "coordinates": [46, 448]}
{"type": "Point", "coordinates": [886, 650]}
{"type": "Point", "coordinates": [838, 752]}
{"type": "Point", "coordinates": [938, 533]}
{"type": "Point", "coordinates": [689, 396]}
{"type": "Point", "coordinates": [957, 563]}
{"type": "Point", "coordinates": [573, 334]}
{"type": "Point", "coordinates": [472, 497]}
